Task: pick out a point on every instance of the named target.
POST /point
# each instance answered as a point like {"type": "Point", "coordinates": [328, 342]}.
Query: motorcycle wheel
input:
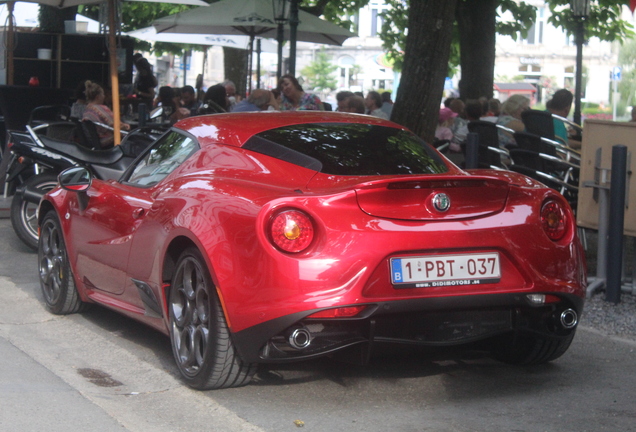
{"type": "Point", "coordinates": [24, 214]}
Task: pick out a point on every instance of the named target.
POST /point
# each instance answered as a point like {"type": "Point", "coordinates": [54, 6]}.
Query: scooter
{"type": "Point", "coordinates": [36, 160]}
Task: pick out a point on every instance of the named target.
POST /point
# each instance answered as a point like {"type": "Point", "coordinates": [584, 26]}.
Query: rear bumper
{"type": "Point", "coordinates": [437, 321]}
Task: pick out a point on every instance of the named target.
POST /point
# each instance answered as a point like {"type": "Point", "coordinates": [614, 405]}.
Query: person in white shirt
{"type": "Point", "coordinates": [373, 103]}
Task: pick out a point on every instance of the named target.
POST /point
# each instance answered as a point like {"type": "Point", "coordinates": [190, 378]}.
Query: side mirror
{"type": "Point", "coordinates": [76, 179]}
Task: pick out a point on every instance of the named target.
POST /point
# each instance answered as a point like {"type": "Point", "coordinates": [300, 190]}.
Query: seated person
{"type": "Point", "coordinates": [443, 132]}
{"type": "Point", "coordinates": [189, 99]}
{"type": "Point", "coordinates": [170, 102]}
{"type": "Point", "coordinates": [215, 100]}
{"type": "Point", "coordinates": [561, 104]}
{"type": "Point", "coordinates": [96, 111]}
{"type": "Point", "coordinates": [78, 107]}
{"type": "Point", "coordinates": [258, 100]}
{"type": "Point", "coordinates": [353, 104]}
{"type": "Point", "coordinates": [373, 103]}
{"type": "Point", "coordinates": [510, 118]}
{"type": "Point", "coordinates": [460, 124]}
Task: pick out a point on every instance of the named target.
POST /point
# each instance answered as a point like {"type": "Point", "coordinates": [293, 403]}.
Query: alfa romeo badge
{"type": "Point", "coordinates": [441, 202]}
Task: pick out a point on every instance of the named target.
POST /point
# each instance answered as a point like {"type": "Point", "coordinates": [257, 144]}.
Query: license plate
{"type": "Point", "coordinates": [445, 270]}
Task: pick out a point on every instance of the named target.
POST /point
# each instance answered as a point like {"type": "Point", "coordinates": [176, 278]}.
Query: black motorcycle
{"type": "Point", "coordinates": [36, 160]}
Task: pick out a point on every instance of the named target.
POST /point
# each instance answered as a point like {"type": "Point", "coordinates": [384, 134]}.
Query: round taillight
{"type": "Point", "coordinates": [292, 231]}
{"type": "Point", "coordinates": [553, 220]}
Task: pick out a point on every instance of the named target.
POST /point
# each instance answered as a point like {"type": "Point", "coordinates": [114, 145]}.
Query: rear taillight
{"type": "Point", "coordinates": [343, 312]}
{"type": "Point", "coordinates": [554, 220]}
{"type": "Point", "coordinates": [292, 231]}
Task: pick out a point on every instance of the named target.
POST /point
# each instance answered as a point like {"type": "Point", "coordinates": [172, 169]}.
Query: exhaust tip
{"type": "Point", "coordinates": [300, 338]}
{"type": "Point", "coordinates": [569, 318]}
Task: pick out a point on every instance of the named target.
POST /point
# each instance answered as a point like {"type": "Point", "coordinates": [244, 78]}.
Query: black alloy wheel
{"type": "Point", "coordinates": [56, 277]}
{"type": "Point", "coordinates": [201, 341]}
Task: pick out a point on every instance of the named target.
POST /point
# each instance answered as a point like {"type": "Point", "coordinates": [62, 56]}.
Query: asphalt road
{"type": "Point", "coordinates": [99, 371]}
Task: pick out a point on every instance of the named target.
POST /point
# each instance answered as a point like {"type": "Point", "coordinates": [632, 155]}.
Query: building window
{"type": "Point", "coordinates": [528, 68]}
{"type": "Point", "coordinates": [530, 39]}
{"type": "Point", "coordinates": [531, 73]}
{"type": "Point", "coordinates": [376, 22]}
{"type": "Point", "coordinates": [535, 33]}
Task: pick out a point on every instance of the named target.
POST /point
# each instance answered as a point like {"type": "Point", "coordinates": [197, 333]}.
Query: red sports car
{"type": "Point", "coordinates": [274, 237]}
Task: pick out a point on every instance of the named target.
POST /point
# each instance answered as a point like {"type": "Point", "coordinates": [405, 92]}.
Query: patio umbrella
{"type": "Point", "coordinates": [232, 41]}
{"type": "Point", "coordinates": [251, 18]}
{"type": "Point", "coordinates": [112, 42]}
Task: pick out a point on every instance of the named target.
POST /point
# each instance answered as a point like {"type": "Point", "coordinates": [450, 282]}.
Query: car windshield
{"type": "Point", "coordinates": [349, 149]}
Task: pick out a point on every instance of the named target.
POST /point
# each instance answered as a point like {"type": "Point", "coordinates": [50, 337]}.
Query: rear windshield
{"type": "Point", "coordinates": [349, 149]}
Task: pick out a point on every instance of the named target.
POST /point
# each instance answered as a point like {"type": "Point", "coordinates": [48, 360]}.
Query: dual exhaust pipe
{"type": "Point", "coordinates": [300, 337]}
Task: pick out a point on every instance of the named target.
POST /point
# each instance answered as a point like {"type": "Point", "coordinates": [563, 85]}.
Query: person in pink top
{"type": "Point", "coordinates": [97, 112]}
{"type": "Point", "coordinates": [294, 98]}
{"type": "Point", "coordinates": [445, 120]}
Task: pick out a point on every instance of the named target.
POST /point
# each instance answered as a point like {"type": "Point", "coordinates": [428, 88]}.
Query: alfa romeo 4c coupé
{"type": "Point", "coordinates": [274, 237]}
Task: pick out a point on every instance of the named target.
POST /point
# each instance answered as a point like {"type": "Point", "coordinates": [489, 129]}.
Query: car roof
{"type": "Point", "coordinates": [236, 128]}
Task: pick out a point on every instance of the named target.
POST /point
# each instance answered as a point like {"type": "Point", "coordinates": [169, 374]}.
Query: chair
{"type": "Point", "coordinates": [62, 131]}
{"type": "Point", "coordinates": [490, 154]}
{"type": "Point", "coordinates": [539, 123]}
{"type": "Point", "coordinates": [90, 134]}
{"type": "Point", "coordinates": [537, 158]}
{"type": "Point", "coordinates": [80, 135]}
{"type": "Point", "coordinates": [542, 123]}
{"type": "Point", "coordinates": [49, 113]}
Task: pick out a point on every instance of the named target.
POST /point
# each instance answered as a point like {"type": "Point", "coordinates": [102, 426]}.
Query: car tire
{"type": "Point", "coordinates": [56, 277]}
{"type": "Point", "coordinates": [530, 350]}
{"type": "Point", "coordinates": [200, 338]}
{"type": "Point", "coordinates": [24, 213]}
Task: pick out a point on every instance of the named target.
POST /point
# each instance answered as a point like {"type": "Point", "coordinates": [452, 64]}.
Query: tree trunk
{"type": "Point", "coordinates": [425, 66]}
{"type": "Point", "coordinates": [235, 67]}
{"type": "Point", "coordinates": [476, 21]}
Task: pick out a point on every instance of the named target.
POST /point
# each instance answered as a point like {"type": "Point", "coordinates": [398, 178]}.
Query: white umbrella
{"type": "Point", "coordinates": [112, 42]}
{"type": "Point", "coordinates": [251, 18]}
{"type": "Point", "coordinates": [232, 41]}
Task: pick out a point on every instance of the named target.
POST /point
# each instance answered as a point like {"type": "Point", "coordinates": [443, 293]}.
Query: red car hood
{"type": "Point", "coordinates": [412, 197]}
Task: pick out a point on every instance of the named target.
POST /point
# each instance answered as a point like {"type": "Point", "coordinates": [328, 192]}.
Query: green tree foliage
{"type": "Point", "coordinates": [395, 29]}
{"type": "Point", "coordinates": [513, 19]}
{"type": "Point", "coordinates": [319, 73]}
{"type": "Point", "coordinates": [604, 22]}
{"type": "Point", "coordinates": [337, 11]}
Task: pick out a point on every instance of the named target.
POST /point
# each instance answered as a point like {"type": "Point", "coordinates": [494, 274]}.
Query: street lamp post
{"type": "Point", "coordinates": [280, 16]}
{"type": "Point", "coordinates": [580, 11]}
{"type": "Point", "coordinates": [293, 27]}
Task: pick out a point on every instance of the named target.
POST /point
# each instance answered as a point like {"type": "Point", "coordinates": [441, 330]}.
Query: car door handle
{"type": "Point", "coordinates": [137, 213]}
